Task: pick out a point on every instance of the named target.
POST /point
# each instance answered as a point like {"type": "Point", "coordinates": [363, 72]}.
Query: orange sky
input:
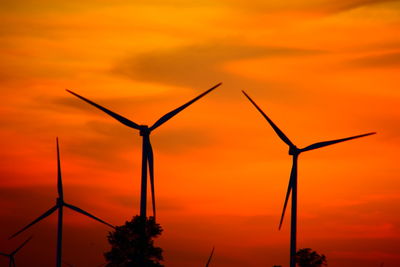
{"type": "Point", "coordinates": [321, 69]}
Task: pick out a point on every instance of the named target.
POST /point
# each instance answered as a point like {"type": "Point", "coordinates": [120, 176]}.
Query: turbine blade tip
{"type": "Point", "coordinates": [217, 85]}
{"type": "Point", "coordinates": [71, 92]}
{"type": "Point", "coordinates": [248, 97]}
{"type": "Point", "coordinates": [367, 134]}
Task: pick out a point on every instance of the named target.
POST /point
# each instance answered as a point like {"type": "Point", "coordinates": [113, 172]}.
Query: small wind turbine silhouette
{"type": "Point", "coordinates": [147, 150]}
{"type": "Point", "coordinates": [10, 256]}
{"type": "Point", "coordinates": [209, 259]}
{"type": "Point", "coordinates": [60, 204]}
{"type": "Point", "coordinates": [295, 152]}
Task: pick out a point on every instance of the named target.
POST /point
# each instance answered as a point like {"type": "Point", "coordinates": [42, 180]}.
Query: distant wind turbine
{"type": "Point", "coordinates": [60, 204]}
{"type": "Point", "coordinates": [147, 150]}
{"type": "Point", "coordinates": [295, 152]}
{"type": "Point", "coordinates": [10, 256]}
{"type": "Point", "coordinates": [209, 259]}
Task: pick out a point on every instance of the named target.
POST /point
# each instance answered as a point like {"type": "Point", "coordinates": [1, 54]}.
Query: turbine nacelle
{"type": "Point", "coordinates": [294, 151]}
{"type": "Point", "coordinates": [59, 202]}
{"type": "Point", "coordinates": [144, 130]}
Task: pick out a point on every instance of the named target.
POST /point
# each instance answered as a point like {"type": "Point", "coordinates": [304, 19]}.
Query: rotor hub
{"type": "Point", "coordinates": [144, 130]}
{"type": "Point", "coordinates": [293, 150]}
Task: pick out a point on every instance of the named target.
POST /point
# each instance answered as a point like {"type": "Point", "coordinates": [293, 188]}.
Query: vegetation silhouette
{"type": "Point", "coordinates": [306, 257]}
{"type": "Point", "coordinates": [131, 247]}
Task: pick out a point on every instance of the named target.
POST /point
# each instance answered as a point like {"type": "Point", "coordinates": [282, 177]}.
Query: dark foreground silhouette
{"type": "Point", "coordinates": [131, 248]}
{"type": "Point", "coordinates": [306, 257]}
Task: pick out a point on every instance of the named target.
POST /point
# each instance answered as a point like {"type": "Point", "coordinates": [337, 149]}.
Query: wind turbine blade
{"type": "Point", "coordinates": [116, 116]}
{"type": "Point", "coordinates": [171, 114]}
{"type": "Point", "coordinates": [22, 245]}
{"type": "Point", "coordinates": [292, 177]}
{"type": "Point", "coordinates": [273, 125]}
{"type": "Point", "coordinates": [41, 217]}
{"type": "Point", "coordinates": [4, 254]}
{"type": "Point", "coordinates": [59, 178]}
{"type": "Point", "coordinates": [209, 259]}
{"type": "Point", "coordinates": [327, 143]}
{"type": "Point", "coordinates": [87, 214]}
{"type": "Point", "coordinates": [150, 160]}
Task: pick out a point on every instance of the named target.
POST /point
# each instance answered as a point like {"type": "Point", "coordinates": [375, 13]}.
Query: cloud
{"type": "Point", "coordinates": [201, 65]}
{"type": "Point", "coordinates": [42, 6]}
{"type": "Point", "coordinates": [340, 6]}
{"type": "Point", "coordinates": [315, 6]}
{"type": "Point", "coordinates": [174, 141]}
{"type": "Point", "coordinates": [112, 141]}
{"type": "Point", "coordinates": [259, 6]}
{"type": "Point", "coordinates": [97, 139]}
{"type": "Point", "coordinates": [386, 60]}
{"type": "Point", "coordinates": [32, 201]}
{"type": "Point", "coordinates": [72, 103]}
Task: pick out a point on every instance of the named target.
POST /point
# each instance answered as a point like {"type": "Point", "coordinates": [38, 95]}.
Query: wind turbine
{"type": "Point", "coordinates": [60, 204]}
{"type": "Point", "coordinates": [209, 259]}
{"type": "Point", "coordinates": [294, 151]}
{"type": "Point", "coordinates": [147, 150]}
{"type": "Point", "coordinates": [10, 256]}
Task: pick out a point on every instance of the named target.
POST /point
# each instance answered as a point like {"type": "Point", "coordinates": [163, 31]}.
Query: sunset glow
{"type": "Point", "coordinates": [321, 69]}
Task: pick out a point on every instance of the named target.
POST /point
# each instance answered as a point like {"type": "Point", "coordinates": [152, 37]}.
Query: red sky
{"type": "Point", "coordinates": [320, 69]}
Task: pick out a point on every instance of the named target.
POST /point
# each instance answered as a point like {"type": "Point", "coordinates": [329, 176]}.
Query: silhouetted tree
{"type": "Point", "coordinates": [132, 244]}
{"type": "Point", "coordinates": [306, 257]}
